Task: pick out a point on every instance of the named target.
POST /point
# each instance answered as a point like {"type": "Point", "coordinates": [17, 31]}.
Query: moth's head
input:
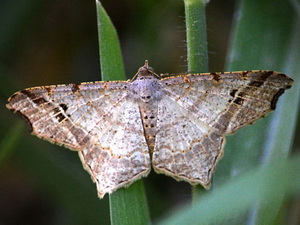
{"type": "Point", "coordinates": [145, 70]}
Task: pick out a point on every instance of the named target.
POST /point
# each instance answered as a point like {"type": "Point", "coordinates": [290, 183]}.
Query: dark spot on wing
{"type": "Point", "coordinates": [256, 83]}
{"type": "Point", "coordinates": [75, 87]}
{"type": "Point", "coordinates": [37, 100]}
{"type": "Point", "coordinates": [242, 94]}
{"type": "Point", "coordinates": [49, 90]}
{"type": "Point", "coordinates": [27, 93]}
{"type": "Point", "coordinates": [63, 106]}
{"type": "Point", "coordinates": [275, 98]}
{"type": "Point", "coordinates": [60, 117]}
{"type": "Point", "coordinates": [238, 101]}
{"type": "Point", "coordinates": [261, 79]}
{"type": "Point", "coordinates": [59, 114]}
{"type": "Point", "coordinates": [56, 110]}
{"type": "Point", "coordinates": [288, 86]}
{"type": "Point", "coordinates": [216, 77]}
{"type": "Point", "coordinates": [245, 73]}
{"type": "Point", "coordinates": [232, 92]}
{"type": "Point", "coordinates": [266, 75]}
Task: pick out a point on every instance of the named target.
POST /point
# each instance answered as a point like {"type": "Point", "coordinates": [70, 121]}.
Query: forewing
{"type": "Point", "coordinates": [185, 148]}
{"type": "Point", "coordinates": [198, 110]}
{"type": "Point", "coordinates": [68, 114]}
{"type": "Point", "coordinates": [97, 119]}
{"type": "Point", "coordinates": [227, 101]}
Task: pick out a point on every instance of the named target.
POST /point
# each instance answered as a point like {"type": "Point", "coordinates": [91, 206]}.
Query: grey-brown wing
{"type": "Point", "coordinates": [228, 101]}
{"type": "Point", "coordinates": [185, 147]}
{"type": "Point", "coordinates": [98, 120]}
{"type": "Point", "coordinates": [198, 110]}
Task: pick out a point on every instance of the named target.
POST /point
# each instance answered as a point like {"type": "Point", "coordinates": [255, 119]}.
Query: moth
{"type": "Point", "coordinates": [176, 125]}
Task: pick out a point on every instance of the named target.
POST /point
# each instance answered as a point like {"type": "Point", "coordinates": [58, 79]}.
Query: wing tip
{"type": "Point", "coordinates": [275, 98]}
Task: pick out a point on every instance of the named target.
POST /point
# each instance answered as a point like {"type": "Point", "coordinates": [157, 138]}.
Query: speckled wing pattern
{"type": "Point", "coordinates": [98, 120]}
{"type": "Point", "coordinates": [177, 124]}
{"type": "Point", "coordinates": [197, 111]}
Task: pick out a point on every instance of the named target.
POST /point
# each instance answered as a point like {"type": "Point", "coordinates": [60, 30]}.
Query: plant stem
{"type": "Point", "coordinates": [196, 37]}
{"type": "Point", "coordinates": [197, 53]}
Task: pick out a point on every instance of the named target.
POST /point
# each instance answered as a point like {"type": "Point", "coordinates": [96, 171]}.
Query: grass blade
{"type": "Point", "coordinates": [111, 61]}
{"type": "Point", "coordinates": [127, 206]}
{"type": "Point", "coordinates": [240, 194]}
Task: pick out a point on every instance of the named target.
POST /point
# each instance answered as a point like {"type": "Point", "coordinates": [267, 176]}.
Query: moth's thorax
{"type": "Point", "coordinates": [146, 88]}
{"type": "Point", "coordinates": [147, 91]}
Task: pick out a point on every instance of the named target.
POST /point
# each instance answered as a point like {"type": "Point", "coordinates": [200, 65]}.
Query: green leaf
{"type": "Point", "coordinates": [234, 198]}
{"type": "Point", "coordinates": [111, 61]}
{"type": "Point", "coordinates": [127, 206]}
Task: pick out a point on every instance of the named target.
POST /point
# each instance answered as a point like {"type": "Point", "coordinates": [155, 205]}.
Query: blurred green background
{"type": "Point", "coordinates": [55, 42]}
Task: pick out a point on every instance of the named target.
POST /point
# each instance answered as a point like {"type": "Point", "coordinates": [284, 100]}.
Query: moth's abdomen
{"type": "Point", "coordinates": [149, 119]}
